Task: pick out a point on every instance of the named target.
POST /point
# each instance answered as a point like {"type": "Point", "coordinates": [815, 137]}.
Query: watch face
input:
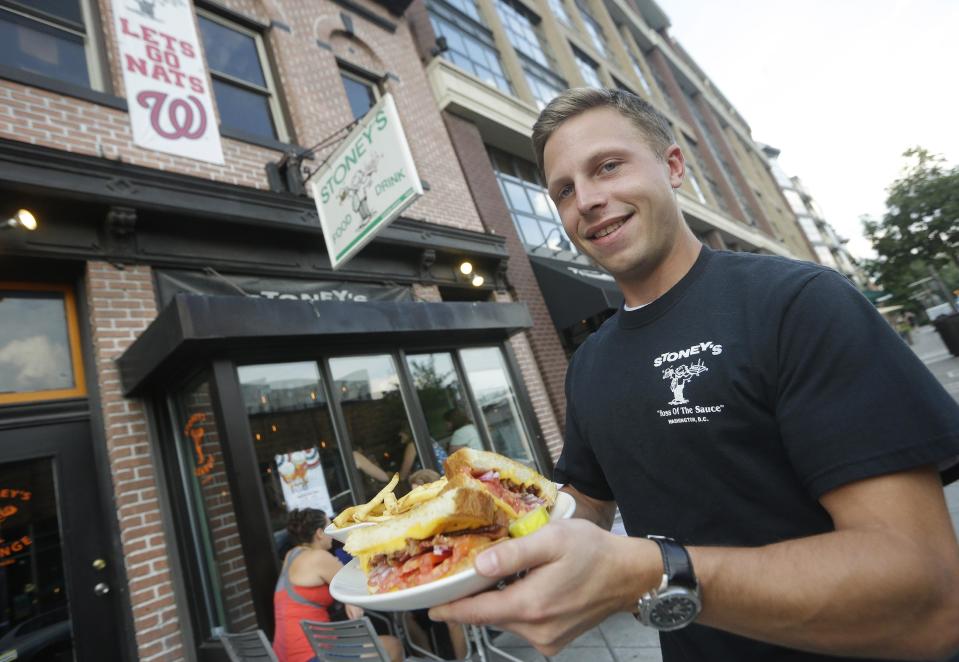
{"type": "Point", "coordinates": [673, 611]}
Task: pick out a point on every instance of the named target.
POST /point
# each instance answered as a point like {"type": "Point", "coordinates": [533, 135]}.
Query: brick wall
{"type": "Point", "coordinates": [121, 305]}
{"type": "Point", "coordinates": [542, 339]}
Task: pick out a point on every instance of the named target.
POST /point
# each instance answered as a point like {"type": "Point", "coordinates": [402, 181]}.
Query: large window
{"type": "Point", "coordinates": [588, 69]}
{"type": "Point", "coordinates": [242, 84]}
{"type": "Point", "coordinates": [593, 28]}
{"type": "Point", "coordinates": [694, 182]}
{"type": "Point", "coordinates": [360, 92]}
{"type": "Point", "coordinates": [559, 10]}
{"type": "Point", "coordinates": [40, 355]}
{"type": "Point", "coordinates": [710, 180]}
{"type": "Point", "coordinates": [638, 70]}
{"type": "Point", "coordinates": [533, 212]}
{"type": "Point", "coordinates": [538, 63]}
{"type": "Point", "coordinates": [469, 42]}
{"type": "Point", "coordinates": [49, 38]}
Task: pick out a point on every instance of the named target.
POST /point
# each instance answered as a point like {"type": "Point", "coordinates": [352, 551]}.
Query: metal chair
{"type": "Point", "coordinates": [252, 646]}
{"type": "Point", "coordinates": [338, 641]}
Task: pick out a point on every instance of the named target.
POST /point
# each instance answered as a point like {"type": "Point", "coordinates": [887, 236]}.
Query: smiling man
{"type": "Point", "coordinates": [773, 446]}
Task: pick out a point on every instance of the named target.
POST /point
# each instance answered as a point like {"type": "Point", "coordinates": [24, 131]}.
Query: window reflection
{"type": "Point", "coordinates": [444, 402]}
{"type": "Point", "coordinates": [34, 347]}
{"type": "Point", "coordinates": [368, 388]}
{"type": "Point", "coordinates": [296, 449]}
{"type": "Point", "coordinates": [226, 588]}
{"type": "Point", "coordinates": [496, 396]}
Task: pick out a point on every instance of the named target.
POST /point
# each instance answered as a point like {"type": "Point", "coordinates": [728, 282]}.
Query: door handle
{"type": "Point", "coordinates": [101, 589]}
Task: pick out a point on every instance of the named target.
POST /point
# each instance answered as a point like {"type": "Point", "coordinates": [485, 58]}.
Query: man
{"type": "Point", "coordinates": [756, 410]}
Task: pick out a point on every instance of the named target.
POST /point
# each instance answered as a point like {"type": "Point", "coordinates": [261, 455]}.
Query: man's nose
{"type": "Point", "coordinates": [589, 197]}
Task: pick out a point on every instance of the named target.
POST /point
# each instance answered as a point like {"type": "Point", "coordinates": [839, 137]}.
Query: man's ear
{"type": "Point", "coordinates": [676, 163]}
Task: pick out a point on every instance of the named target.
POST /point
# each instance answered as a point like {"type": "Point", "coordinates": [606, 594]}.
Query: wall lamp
{"type": "Point", "coordinates": [24, 218]}
{"type": "Point", "coordinates": [466, 268]}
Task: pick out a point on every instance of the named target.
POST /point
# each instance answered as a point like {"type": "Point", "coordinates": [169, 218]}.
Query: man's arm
{"type": "Point", "coordinates": [885, 583]}
{"type": "Point", "coordinates": [597, 511]}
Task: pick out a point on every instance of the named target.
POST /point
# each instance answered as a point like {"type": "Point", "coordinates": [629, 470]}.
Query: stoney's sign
{"type": "Point", "coordinates": [166, 81]}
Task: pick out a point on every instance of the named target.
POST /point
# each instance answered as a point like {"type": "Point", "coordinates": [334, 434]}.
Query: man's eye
{"type": "Point", "coordinates": [564, 192]}
{"type": "Point", "coordinates": [609, 166]}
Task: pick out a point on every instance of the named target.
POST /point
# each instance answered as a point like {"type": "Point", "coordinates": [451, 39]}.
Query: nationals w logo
{"type": "Point", "coordinates": [174, 118]}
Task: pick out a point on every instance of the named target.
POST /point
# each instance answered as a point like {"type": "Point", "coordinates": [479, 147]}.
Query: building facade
{"type": "Point", "coordinates": [494, 64]}
{"type": "Point", "coordinates": [830, 248]}
{"type": "Point", "coordinates": [179, 363]}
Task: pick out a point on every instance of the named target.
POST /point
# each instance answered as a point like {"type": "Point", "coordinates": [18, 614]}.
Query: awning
{"type": "Point", "coordinates": [197, 328]}
{"type": "Point", "coordinates": [574, 292]}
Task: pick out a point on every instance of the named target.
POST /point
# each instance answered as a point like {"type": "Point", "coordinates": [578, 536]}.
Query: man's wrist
{"type": "Point", "coordinates": [641, 569]}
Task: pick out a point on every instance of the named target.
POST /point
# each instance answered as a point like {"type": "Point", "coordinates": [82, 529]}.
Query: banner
{"type": "Point", "coordinates": [303, 482]}
{"type": "Point", "coordinates": [170, 282]}
{"type": "Point", "coordinates": [169, 102]}
{"type": "Point", "coordinates": [366, 183]}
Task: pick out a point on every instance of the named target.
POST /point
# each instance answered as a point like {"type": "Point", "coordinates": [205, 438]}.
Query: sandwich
{"type": "Point", "coordinates": [435, 539]}
{"type": "Point", "coordinates": [516, 489]}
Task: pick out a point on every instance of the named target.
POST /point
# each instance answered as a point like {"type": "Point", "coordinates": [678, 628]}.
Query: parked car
{"type": "Point", "coordinates": [45, 638]}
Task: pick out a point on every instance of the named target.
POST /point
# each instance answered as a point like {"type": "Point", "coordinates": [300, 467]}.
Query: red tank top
{"type": "Point", "coordinates": [292, 604]}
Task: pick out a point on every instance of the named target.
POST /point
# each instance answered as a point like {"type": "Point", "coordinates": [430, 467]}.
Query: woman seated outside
{"type": "Point", "coordinates": [303, 588]}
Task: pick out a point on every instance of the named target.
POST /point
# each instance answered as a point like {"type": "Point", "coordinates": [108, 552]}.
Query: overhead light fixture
{"type": "Point", "coordinates": [478, 280]}
{"type": "Point", "coordinates": [24, 218]}
{"type": "Point", "coordinates": [466, 267]}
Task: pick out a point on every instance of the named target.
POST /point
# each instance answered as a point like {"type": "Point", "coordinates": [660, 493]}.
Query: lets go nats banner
{"type": "Point", "coordinates": [167, 93]}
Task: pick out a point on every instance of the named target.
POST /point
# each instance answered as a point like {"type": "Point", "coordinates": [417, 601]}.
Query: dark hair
{"type": "Point", "coordinates": [652, 124]}
{"type": "Point", "coordinates": [456, 417]}
{"type": "Point", "coordinates": [302, 524]}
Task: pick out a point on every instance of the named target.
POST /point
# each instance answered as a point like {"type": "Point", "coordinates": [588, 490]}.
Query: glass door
{"type": "Point", "coordinates": [56, 570]}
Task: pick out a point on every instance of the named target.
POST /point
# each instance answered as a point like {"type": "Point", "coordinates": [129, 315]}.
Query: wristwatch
{"type": "Point", "coordinates": [676, 603]}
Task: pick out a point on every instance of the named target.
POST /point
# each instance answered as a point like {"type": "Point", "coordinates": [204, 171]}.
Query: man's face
{"type": "Point", "coordinates": [614, 195]}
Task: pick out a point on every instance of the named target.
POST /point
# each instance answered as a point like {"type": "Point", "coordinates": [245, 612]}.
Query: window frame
{"type": "Point", "coordinates": [79, 389]}
{"type": "Point", "coordinates": [355, 73]}
{"type": "Point", "coordinates": [469, 27]}
{"type": "Point", "coordinates": [93, 46]}
{"type": "Point", "coordinates": [271, 91]}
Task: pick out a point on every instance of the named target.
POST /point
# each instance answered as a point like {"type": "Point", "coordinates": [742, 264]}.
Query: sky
{"type": "Point", "coordinates": [842, 87]}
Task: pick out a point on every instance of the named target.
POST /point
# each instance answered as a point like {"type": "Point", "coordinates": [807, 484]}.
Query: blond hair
{"type": "Point", "coordinates": [652, 124]}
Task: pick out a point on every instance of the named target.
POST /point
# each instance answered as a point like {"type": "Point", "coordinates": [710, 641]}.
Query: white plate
{"type": "Point", "coordinates": [340, 534]}
{"type": "Point", "coordinates": [349, 584]}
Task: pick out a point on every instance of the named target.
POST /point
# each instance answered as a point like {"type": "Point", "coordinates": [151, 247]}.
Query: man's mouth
{"type": "Point", "coordinates": [608, 229]}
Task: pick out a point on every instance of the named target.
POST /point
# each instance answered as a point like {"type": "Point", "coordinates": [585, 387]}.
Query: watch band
{"type": "Point", "coordinates": [677, 566]}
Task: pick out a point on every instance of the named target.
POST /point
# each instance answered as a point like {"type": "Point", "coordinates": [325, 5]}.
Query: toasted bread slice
{"type": "Point", "coordinates": [463, 467]}
{"type": "Point", "coordinates": [457, 509]}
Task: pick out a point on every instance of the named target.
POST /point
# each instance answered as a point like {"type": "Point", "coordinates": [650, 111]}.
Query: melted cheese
{"type": "Point", "coordinates": [418, 531]}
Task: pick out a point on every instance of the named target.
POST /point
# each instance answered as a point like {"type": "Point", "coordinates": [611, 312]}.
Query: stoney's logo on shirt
{"type": "Point", "coordinates": [680, 372]}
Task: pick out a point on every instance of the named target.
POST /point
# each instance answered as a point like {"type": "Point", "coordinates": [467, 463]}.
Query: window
{"type": "Point", "coordinates": [533, 212]}
{"type": "Point", "coordinates": [811, 230]}
{"type": "Point", "coordinates": [559, 10]}
{"type": "Point", "coordinates": [470, 43]}
{"type": "Point", "coordinates": [588, 69]}
{"type": "Point", "coordinates": [638, 69]}
{"type": "Point", "coordinates": [243, 87]}
{"type": "Point", "coordinates": [361, 93]}
{"type": "Point", "coordinates": [496, 397]}
{"type": "Point", "coordinates": [593, 28]}
{"type": "Point", "coordinates": [443, 401]}
{"type": "Point", "coordinates": [49, 38]}
{"type": "Point", "coordinates": [694, 182]}
{"type": "Point", "coordinates": [40, 355]}
{"type": "Point", "coordinates": [533, 51]}
{"type": "Point", "coordinates": [710, 180]}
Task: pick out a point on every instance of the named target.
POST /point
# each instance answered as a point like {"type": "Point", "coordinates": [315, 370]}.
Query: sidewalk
{"type": "Point", "coordinates": [621, 639]}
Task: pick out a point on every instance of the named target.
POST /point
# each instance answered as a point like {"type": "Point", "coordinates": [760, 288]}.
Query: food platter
{"type": "Point", "coordinates": [349, 584]}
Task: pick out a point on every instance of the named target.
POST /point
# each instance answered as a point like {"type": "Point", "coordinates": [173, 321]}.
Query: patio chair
{"type": "Point", "coordinates": [338, 641]}
{"type": "Point", "coordinates": [252, 646]}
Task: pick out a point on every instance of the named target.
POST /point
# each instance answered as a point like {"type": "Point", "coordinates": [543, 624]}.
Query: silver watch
{"type": "Point", "coordinates": [676, 602]}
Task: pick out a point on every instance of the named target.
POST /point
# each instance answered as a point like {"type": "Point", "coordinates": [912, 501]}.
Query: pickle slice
{"type": "Point", "coordinates": [529, 522]}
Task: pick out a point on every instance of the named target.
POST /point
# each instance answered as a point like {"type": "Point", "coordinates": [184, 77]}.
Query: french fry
{"type": "Point", "coordinates": [385, 506]}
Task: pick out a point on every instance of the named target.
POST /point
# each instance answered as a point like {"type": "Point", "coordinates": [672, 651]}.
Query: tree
{"type": "Point", "coordinates": [921, 225]}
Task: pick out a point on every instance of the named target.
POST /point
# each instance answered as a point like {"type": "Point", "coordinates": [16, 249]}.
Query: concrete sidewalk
{"type": "Point", "coordinates": [621, 639]}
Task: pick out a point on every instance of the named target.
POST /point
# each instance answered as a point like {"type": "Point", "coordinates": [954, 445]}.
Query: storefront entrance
{"type": "Point", "coordinates": [56, 602]}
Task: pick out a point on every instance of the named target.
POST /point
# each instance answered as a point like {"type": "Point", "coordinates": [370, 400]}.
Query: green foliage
{"type": "Point", "coordinates": [920, 226]}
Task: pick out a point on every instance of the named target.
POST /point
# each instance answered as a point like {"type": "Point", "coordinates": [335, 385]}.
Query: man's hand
{"type": "Point", "coordinates": [578, 575]}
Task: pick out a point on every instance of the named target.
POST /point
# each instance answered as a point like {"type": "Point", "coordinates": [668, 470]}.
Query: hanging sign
{"type": "Point", "coordinates": [367, 182]}
{"type": "Point", "coordinates": [169, 101]}
{"type": "Point", "coordinates": [303, 481]}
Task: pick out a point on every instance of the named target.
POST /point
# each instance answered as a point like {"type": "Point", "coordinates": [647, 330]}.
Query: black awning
{"type": "Point", "coordinates": [574, 292]}
{"type": "Point", "coordinates": [193, 328]}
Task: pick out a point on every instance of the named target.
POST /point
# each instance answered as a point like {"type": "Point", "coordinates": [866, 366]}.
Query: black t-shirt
{"type": "Point", "coordinates": [721, 412]}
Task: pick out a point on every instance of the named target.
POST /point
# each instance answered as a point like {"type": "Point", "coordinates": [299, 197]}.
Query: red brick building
{"type": "Point", "coordinates": [175, 350]}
